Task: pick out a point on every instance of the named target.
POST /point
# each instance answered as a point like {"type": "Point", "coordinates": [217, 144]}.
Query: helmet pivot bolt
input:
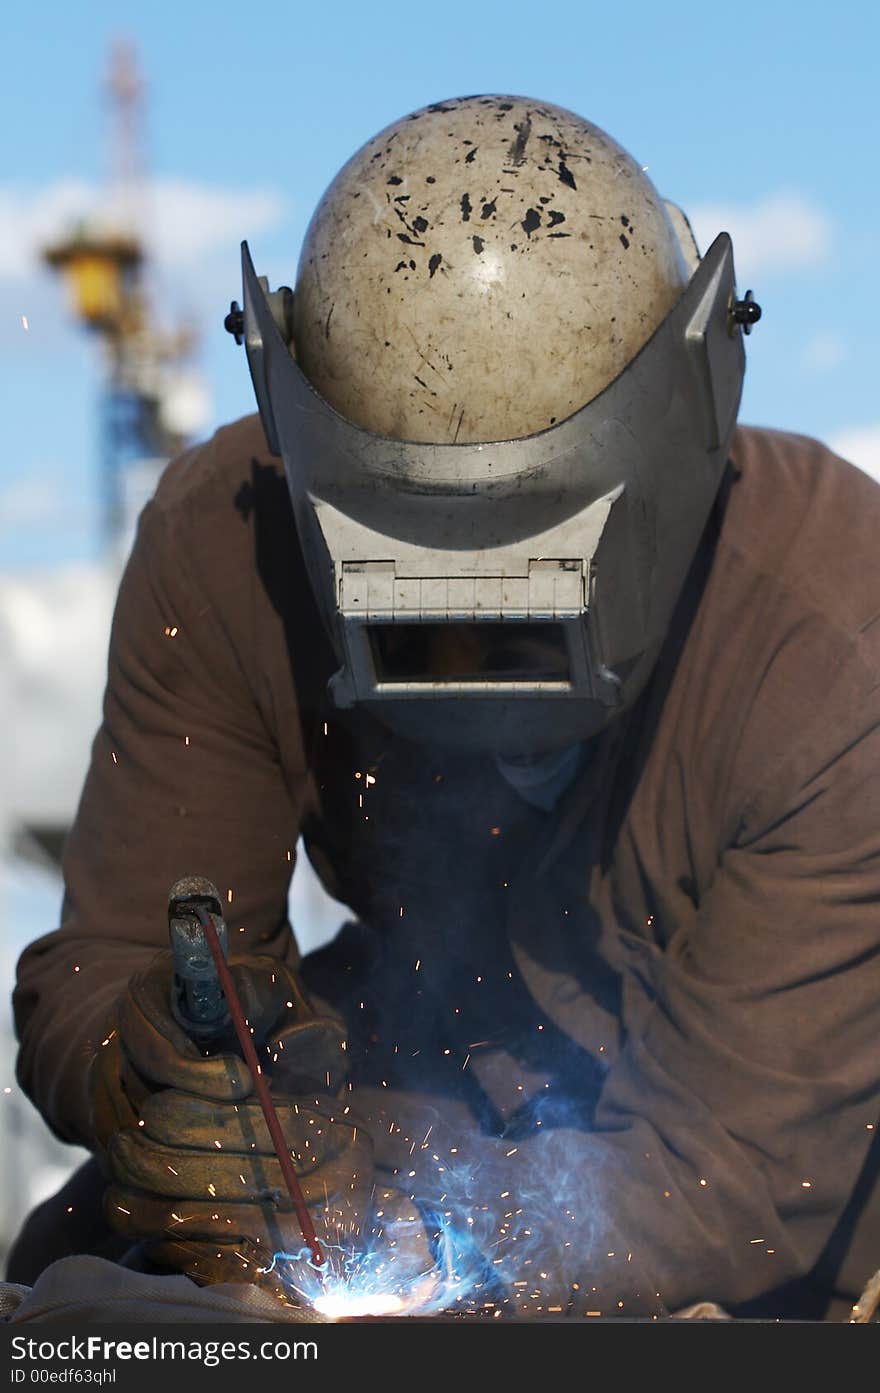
{"type": "Point", "coordinates": [746, 312]}
{"type": "Point", "coordinates": [234, 321]}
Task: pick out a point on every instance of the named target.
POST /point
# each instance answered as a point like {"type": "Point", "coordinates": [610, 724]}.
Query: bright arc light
{"type": "Point", "coordinates": [337, 1304]}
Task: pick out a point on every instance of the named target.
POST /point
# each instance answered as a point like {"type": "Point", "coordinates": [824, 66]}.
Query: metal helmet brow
{"type": "Point", "coordinates": [503, 391]}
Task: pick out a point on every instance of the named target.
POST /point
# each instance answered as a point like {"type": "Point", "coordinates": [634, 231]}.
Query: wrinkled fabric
{"type": "Point", "coordinates": [91, 1289]}
{"type": "Point", "coordinates": [647, 1021]}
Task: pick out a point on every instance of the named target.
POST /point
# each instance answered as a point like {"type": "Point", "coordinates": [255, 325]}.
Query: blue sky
{"type": "Point", "coordinates": [759, 118]}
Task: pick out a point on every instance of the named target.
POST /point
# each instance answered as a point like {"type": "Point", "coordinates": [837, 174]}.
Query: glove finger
{"type": "Point", "coordinates": [161, 1050]}
{"type": "Point", "coordinates": [309, 1056]}
{"type": "Point", "coordinates": [114, 1095]}
{"type": "Point", "coordinates": [206, 1263]}
{"type": "Point", "coordinates": [270, 1227]}
{"type": "Point", "coordinates": [185, 1120]}
{"type": "Point", "coordinates": [138, 1161]}
{"type": "Point", "coordinates": [269, 993]}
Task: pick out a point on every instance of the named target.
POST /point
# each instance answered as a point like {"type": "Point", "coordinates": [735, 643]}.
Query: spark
{"type": "Point", "coordinates": [807, 1184]}
{"type": "Point", "coordinates": [229, 897]}
{"type": "Point", "coordinates": [336, 1305]}
{"type": "Point", "coordinates": [24, 323]}
{"type": "Point", "coordinates": [703, 1182]}
{"type": "Point", "coordinates": [113, 757]}
{"type": "Point", "coordinates": [186, 740]}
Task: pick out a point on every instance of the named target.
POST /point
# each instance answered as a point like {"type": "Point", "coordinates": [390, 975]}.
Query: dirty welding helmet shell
{"type": "Point", "coordinates": [479, 270]}
{"type": "Point", "coordinates": [505, 430]}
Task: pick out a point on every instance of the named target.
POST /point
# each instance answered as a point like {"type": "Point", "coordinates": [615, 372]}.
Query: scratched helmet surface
{"type": "Point", "coordinates": [480, 270]}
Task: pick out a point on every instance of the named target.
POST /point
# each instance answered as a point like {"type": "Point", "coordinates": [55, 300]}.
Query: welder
{"type": "Point", "coordinates": [570, 686]}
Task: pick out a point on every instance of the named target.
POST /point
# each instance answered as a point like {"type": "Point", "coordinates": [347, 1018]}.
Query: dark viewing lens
{"type": "Point", "coordinates": [478, 652]}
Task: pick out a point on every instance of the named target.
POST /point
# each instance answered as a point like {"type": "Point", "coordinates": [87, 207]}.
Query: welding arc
{"type": "Point", "coordinates": [265, 1097]}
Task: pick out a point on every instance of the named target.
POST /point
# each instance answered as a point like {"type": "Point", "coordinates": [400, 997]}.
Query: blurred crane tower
{"type": "Point", "coordinates": [151, 399]}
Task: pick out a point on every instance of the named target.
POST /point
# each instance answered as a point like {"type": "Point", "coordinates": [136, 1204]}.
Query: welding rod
{"type": "Point", "coordinates": [265, 1097]}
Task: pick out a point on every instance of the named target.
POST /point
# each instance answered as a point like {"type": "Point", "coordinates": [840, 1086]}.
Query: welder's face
{"type": "Point", "coordinates": [481, 652]}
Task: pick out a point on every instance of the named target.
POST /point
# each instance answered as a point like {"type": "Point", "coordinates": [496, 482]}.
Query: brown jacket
{"type": "Point", "coordinates": [658, 1007]}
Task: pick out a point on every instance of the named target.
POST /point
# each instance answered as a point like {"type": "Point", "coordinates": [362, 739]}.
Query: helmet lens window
{"type": "Point", "coordinates": [479, 652]}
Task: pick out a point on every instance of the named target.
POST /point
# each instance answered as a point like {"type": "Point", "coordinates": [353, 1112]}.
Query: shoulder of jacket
{"type": "Point", "coordinates": [214, 470]}
{"type": "Point", "coordinates": [808, 519]}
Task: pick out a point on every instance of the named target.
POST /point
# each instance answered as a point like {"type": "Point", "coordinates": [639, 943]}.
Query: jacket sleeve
{"type": "Point", "coordinates": [185, 779]}
{"type": "Point", "coordinates": [733, 1125]}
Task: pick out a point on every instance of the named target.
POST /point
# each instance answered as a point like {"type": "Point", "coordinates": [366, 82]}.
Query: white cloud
{"type": "Point", "coordinates": [190, 220]}
{"type": "Point", "coordinates": [54, 628]}
{"type": "Point", "coordinates": [824, 351]}
{"type": "Point", "coordinates": [30, 503]}
{"type": "Point", "coordinates": [183, 221]}
{"type": "Point", "coordinates": [783, 232]}
{"type": "Point", "coordinates": [861, 446]}
{"type": "Point", "coordinates": [30, 220]}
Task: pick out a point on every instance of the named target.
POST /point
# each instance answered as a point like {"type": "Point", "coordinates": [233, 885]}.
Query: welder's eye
{"type": "Point", "coordinates": [479, 652]}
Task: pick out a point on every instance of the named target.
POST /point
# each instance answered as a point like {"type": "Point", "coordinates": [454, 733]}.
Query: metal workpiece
{"type": "Point", "coordinates": [197, 999]}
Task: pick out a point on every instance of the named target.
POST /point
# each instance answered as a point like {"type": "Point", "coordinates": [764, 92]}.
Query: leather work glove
{"type": "Point", "coordinates": [183, 1138]}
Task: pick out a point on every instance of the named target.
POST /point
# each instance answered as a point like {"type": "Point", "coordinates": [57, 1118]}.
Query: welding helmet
{"type": "Point", "coordinates": [503, 391]}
